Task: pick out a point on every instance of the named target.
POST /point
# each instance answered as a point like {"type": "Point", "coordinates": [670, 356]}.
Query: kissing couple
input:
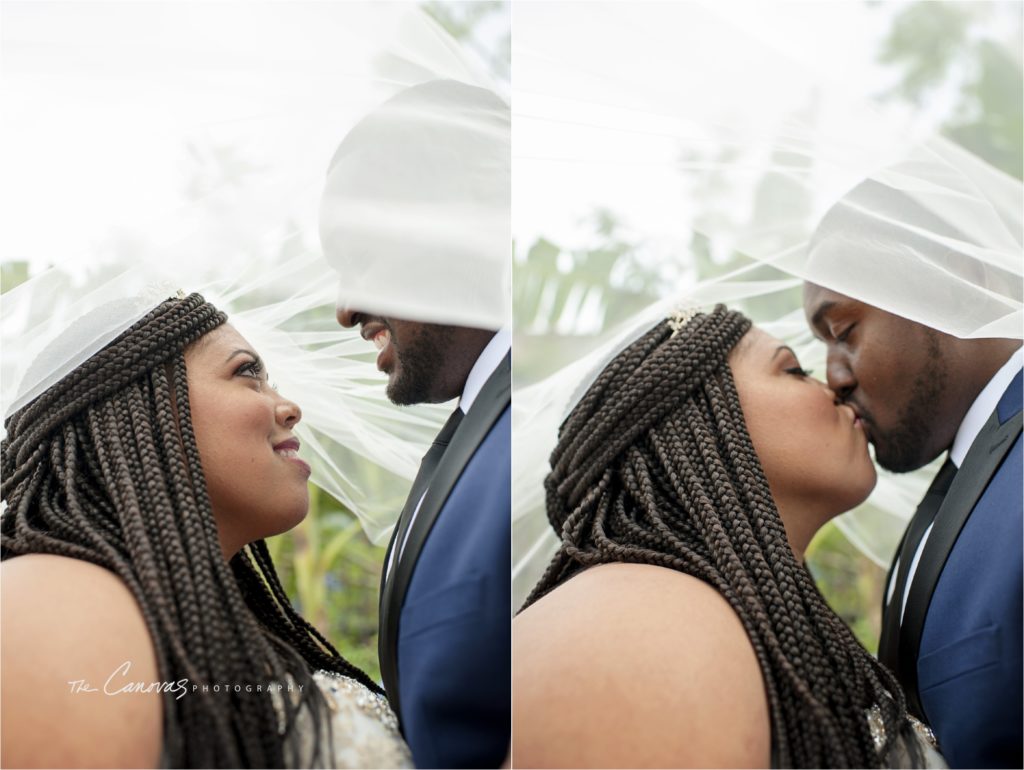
{"type": "Point", "coordinates": [677, 625]}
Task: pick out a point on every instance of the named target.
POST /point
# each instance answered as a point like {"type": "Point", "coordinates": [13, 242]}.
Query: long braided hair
{"type": "Point", "coordinates": [655, 466]}
{"type": "Point", "coordinates": [104, 467]}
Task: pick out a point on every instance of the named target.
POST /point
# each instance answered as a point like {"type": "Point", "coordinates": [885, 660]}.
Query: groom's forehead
{"type": "Point", "coordinates": [818, 298]}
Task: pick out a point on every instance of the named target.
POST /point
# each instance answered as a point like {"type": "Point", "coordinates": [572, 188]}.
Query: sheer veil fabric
{"type": "Point", "coordinates": [707, 135]}
{"type": "Point", "coordinates": [700, 126]}
{"type": "Point", "coordinates": [417, 200]}
{"type": "Point", "coordinates": [209, 179]}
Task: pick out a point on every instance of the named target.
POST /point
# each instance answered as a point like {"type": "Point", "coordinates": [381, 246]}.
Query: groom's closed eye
{"type": "Point", "coordinates": [843, 334]}
{"type": "Point", "coordinates": [819, 324]}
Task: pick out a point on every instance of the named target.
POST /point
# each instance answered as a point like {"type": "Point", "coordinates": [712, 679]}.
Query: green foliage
{"type": "Point", "coordinates": [560, 298]}
{"type": "Point", "coordinates": [990, 123]}
{"type": "Point", "coordinates": [464, 20]}
{"type": "Point", "coordinates": [851, 582]}
{"type": "Point", "coordinates": [978, 45]}
{"type": "Point", "coordinates": [12, 274]}
{"type": "Point", "coordinates": [332, 572]}
{"type": "Point", "coordinates": [925, 40]}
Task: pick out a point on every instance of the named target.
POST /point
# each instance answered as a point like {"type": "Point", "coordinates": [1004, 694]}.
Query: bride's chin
{"type": "Point", "coordinates": [863, 475]}
{"type": "Point", "coordinates": [862, 484]}
{"type": "Point", "coordinates": [294, 520]}
{"type": "Point", "coordinates": [283, 522]}
{"type": "Point", "coordinates": [871, 478]}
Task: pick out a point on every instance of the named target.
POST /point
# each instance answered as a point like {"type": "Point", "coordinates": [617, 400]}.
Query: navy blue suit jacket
{"type": "Point", "coordinates": [451, 644]}
{"type": "Point", "coordinates": [968, 637]}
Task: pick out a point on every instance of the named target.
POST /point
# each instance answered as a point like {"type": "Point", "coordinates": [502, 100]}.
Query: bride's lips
{"type": "Point", "coordinates": [854, 416]}
{"type": "Point", "coordinates": [380, 335]}
{"type": "Point", "coordinates": [289, 450]}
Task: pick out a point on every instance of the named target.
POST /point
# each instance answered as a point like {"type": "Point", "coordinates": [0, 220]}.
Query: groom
{"type": "Point", "coordinates": [415, 219]}
{"type": "Point", "coordinates": [952, 618]}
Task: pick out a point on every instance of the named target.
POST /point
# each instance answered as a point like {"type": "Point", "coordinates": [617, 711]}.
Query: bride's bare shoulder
{"type": "Point", "coordinates": [73, 638]}
{"type": "Point", "coordinates": [630, 596]}
{"type": "Point", "coordinates": [62, 589]}
{"type": "Point", "coordinates": [636, 665]}
{"type": "Point", "coordinates": [37, 566]}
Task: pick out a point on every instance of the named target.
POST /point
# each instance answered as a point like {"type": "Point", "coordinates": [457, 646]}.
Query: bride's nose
{"type": "Point", "coordinates": [287, 413]}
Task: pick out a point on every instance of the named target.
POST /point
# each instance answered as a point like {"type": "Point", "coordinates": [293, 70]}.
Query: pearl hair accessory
{"type": "Point", "coordinates": [681, 316]}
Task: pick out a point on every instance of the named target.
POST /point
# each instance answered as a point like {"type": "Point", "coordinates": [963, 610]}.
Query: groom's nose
{"type": "Point", "coordinates": [840, 375]}
{"type": "Point", "coordinates": [347, 317]}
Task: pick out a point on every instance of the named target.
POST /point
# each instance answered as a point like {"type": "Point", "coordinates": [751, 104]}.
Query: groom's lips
{"type": "Point", "coordinates": [859, 417]}
{"type": "Point", "coordinates": [372, 331]}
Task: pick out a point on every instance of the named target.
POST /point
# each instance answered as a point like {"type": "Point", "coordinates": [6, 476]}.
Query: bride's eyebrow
{"type": "Point", "coordinates": [780, 348]}
{"type": "Point", "coordinates": [243, 351]}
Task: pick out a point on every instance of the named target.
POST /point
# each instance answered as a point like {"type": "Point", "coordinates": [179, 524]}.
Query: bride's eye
{"type": "Point", "coordinates": [253, 369]}
{"type": "Point", "coordinates": [799, 371]}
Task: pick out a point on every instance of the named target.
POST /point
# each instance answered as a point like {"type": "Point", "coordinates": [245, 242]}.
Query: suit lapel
{"type": "Point", "coordinates": [387, 671]}
{"type": "Point", "coordinates": [892, 607]}
{"type": "Point", "coordinates": [982, 461]}
{"type": "Point", "coordinates": [398, 537]}
{"type": "Point", "coordinates": [487, 408]}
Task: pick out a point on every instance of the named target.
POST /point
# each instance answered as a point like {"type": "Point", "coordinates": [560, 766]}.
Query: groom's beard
{"type": "Point", "coordinates": [905, 447]}
{"type": "Point", "coordinates": [419, 362]}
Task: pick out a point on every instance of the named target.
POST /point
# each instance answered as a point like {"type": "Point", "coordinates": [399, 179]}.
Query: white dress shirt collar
{"type": "Point", "coordinates": [489, 359]}
{"type": "Point", "coordinates": [983, 407]}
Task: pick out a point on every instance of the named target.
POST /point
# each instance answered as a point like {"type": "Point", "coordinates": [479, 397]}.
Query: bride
{"type": "Point", "coordinates": [676, 625]}
{"type": "Point", "coordinates": [139, 488]}
{"type": "Point", "coordinates": [141, 610]}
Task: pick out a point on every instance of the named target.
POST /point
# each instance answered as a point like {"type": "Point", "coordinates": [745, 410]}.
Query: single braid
{"type": "Point", "coordinates": [655, 466]}
{"type": "Point", "coordinates": [104, 467]}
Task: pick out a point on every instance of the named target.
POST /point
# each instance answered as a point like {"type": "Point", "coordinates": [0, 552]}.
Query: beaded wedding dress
{"type": "Point", "coordinates": [925, 739]}
{"type": "Point", "coordinates": [363, 729]}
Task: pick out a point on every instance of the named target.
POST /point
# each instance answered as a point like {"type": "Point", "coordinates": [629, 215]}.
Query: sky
{"type": "Point", "coordinates": [111, 111]}
{"type": "Point", "coordinates": [602, 113]}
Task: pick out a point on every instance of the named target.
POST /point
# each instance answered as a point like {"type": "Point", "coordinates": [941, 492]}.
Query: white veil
{"type": "Point", "coordinates": [415, 212]}
{"type": "Point", "coordinates": [150, 148]}
{"type": "Point", "coordinates": [687, 153]}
